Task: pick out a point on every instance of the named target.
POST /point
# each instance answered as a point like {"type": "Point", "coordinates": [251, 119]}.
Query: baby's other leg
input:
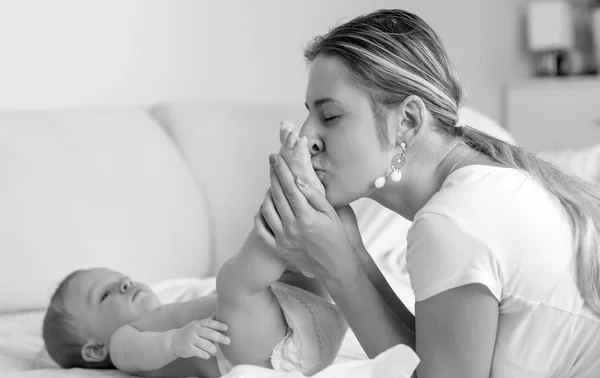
{"type": "Point", "coordinates": [295, 152]}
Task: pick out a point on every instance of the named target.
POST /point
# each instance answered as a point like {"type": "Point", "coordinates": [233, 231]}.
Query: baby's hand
{"type": "Point", "coordinates": [195, 339]}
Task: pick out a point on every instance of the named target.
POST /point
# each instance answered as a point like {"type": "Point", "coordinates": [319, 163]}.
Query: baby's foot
{"type": "Point", "coordinates": [295, 152]}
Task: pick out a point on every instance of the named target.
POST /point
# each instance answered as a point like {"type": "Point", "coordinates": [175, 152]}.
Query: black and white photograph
{"type": "Point", "coordinates": [300, 188]}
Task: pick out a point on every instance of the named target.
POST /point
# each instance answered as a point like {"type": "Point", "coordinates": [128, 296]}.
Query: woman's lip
{"type": "Point", "coordinates": [320, 173]}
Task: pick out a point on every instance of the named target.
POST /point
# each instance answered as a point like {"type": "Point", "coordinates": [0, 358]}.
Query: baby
{"type": "Point", "coordinates": [99, 318]}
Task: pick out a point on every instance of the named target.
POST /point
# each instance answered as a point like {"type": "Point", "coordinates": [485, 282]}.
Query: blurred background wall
{"type": "Point", "coordinates": [67, 53]}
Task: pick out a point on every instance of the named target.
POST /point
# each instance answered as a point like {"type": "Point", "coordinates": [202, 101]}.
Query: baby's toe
{"type": "Point", "coordinates": [302, 143]}
{"type": "Point", "coordinates": [284, 132]}
{"type": "Point", "coordinates": [292, 139]}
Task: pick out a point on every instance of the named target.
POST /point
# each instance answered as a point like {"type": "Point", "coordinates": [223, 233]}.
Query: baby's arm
{"type": "Point", "coordinates": [178, 314]}
{"type": "Point", "coordinates": [133, 351]}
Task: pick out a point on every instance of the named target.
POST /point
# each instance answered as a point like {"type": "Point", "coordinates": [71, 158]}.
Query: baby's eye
{"type": "Point", "coordinates": [104, 295]}
{"type": "Point", "coordinates": [329, 119]}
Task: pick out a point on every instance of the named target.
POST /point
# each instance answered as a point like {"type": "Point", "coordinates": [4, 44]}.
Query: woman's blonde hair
{"type": "Point", "coordinates": [61, 335]}
{"type": "Point", "coordinates": [392, 54]}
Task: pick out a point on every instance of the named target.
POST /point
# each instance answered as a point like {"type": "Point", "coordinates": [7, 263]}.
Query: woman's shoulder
{"type": "Point", "coordinates": [497, 206]}
{"type": "Point", "coordinates": [485, 180]}
{"type": "Point", "coordinates": [483, 191]}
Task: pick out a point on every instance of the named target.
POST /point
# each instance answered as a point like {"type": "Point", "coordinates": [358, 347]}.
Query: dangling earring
{"type": "Point", "coordinates": [398, 161]}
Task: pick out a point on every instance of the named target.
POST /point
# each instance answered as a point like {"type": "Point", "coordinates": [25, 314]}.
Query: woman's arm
{"type": "Point", "coordinates": [348, 219]}
{"type": "Point", "coordinates": [457, 280]}
{"type": "Point", "coordinates": [386, 292]}
{"type": "Point", "coordinates": [456, 333]}
{"type": "Point", "coordinates": [375, 325]}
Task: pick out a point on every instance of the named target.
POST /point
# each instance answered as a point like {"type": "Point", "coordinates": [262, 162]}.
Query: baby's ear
{"type": "Point", "coordinates": [94, 351]}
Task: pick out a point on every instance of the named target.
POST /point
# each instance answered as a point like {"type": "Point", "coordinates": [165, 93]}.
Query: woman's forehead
{"type": "Point", "coordinates": [330, 78]}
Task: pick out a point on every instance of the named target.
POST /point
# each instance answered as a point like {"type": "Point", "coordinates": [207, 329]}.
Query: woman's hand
{"type": "Point", "coordinates": [304, 227]}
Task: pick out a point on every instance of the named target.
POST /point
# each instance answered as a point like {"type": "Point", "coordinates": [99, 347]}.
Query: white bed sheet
{"type": "Point", "coordinates": [21, 346]}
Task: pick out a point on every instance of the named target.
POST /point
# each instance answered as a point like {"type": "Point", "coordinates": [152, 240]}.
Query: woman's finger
{"type": "Point", "coordinates": [269, 212]}
{"type": "Point", "coordinates": [295, 198]}
{"type": "Point", "coordinates": [280, 199]}
{"type": "Point", "coordinates": [314, 197]}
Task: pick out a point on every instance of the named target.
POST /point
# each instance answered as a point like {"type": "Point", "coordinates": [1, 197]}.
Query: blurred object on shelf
{"type": "Point", "coordinates": [587, 62]}
{"type": "Point", "coordinates": [595, 28]}
{"type": "Point", "coordinates": [575, 63]}
{"type": "Point", "coordinates": [550, 36]}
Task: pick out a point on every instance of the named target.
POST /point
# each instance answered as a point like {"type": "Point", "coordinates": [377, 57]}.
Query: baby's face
{"type": "Point", "coordinates": [102, 300]}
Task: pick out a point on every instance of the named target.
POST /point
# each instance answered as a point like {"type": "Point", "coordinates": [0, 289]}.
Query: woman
{"type": "Point", "coordinates": [503, 251]}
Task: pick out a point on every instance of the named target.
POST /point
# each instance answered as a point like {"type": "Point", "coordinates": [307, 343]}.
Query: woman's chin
{"type": "Point", "coordinates": [336, 200]}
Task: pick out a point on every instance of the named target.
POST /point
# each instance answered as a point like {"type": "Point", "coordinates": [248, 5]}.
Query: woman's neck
{"type": "Point", "coordinates": [423, 176]}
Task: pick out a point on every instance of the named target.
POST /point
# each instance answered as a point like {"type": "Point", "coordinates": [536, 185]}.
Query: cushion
{"type": "Point", "coordinates": [94, 187]}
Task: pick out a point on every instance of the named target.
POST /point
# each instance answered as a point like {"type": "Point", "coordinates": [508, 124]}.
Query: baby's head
{"type": "Point", "coordinates": [86, 309]}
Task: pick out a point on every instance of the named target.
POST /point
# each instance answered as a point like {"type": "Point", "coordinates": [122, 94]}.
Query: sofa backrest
{"type": "Point", "coordinates": [94, 187]}
{"type": "Point", "coordinates": [227, 148]}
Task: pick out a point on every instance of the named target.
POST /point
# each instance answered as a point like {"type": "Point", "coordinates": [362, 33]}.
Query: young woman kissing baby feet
{"type": "Point", "coordinates": [294, 149]}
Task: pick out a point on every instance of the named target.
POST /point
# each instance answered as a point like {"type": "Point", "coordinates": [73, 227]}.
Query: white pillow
{"type": "Point", "coordinates": [95, 187]}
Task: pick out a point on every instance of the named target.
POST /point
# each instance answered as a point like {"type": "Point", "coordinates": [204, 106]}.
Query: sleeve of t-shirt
{"type": "Point", "coordinates": [443, 254]}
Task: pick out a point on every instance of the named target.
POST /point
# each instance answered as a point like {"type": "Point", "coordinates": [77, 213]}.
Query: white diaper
{"type": "Point", "coordinates": [316, 329]}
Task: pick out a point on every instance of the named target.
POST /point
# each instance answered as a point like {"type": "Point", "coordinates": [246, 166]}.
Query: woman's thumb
{"type": "Point", "coordinates": [313, 196]}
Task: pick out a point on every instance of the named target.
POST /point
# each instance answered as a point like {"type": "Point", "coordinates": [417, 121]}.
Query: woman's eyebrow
{"type": "Point", "coordinates": [325, 100]}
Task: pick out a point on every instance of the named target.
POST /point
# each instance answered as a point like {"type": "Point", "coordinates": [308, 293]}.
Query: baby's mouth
{"type": "Point", "coordinates": [136, 294]}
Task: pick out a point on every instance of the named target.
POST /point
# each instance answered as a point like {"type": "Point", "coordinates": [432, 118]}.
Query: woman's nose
{"type": "Point", "coordinates": [125, 285]}
{"type": "Point", "coordinates": [315, 144]}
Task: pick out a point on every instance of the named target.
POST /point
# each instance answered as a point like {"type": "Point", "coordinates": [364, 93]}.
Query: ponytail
{"type": "Point", "coordinates": [579, 198]}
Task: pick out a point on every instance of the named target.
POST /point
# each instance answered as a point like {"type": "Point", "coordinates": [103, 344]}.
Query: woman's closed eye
{"type": "Point", "coordinates": [330, 118]}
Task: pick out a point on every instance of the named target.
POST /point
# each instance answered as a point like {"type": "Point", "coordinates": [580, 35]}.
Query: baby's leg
{"type": "Point", "coordinates": [248, 306]}
{"type": "Point", "coordinates": [295, 152]}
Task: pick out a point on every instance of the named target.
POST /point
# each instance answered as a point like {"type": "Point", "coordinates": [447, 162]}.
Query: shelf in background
{"type": "Point", "coordinates": [558, 81]}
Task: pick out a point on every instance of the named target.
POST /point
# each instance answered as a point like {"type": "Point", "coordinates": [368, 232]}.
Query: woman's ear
{"type": "Point", "coordinates": [412, 117]}
{"type": "Point", "coordinates": [94, 351]}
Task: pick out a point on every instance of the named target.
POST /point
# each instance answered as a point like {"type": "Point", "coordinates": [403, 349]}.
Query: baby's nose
{"type": "Point", "coordinates": [125, 285]}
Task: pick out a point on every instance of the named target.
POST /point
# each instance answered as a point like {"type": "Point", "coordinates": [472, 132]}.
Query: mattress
{"type": "Point", "coordinates": [21, 346]}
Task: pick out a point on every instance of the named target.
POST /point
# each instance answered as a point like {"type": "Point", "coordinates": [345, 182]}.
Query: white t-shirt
{"type": "Point", "coordinates": [544, 327]}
